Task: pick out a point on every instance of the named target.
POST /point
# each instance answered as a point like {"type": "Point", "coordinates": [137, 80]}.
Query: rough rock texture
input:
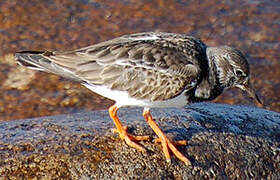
{"type": "Point", "coordinates": [224, 142]}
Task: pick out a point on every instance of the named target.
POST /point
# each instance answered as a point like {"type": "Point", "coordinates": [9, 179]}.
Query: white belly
{"type": "Point", "coordinates": [122, 98]}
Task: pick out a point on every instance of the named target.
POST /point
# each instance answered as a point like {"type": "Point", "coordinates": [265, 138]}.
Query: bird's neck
{"type": "Point", "coordinates": [209, 87]}
{"type": "Point", "coordinates": [214, 73]}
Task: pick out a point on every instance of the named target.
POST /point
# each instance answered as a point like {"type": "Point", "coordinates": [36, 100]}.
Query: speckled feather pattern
{"type": "Point", "coordinates": [150, 70]}
{"type": "Point", "coordinates": [153, 66]}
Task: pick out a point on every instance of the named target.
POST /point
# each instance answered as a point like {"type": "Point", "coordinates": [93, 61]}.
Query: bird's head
{"type": "Point", "coordinates": [232, 69]}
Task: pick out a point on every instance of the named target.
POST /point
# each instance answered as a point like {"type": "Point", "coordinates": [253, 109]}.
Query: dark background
{"type": "Point", "coordinates": [250, 25]}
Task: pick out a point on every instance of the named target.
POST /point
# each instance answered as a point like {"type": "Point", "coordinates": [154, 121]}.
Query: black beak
{"type": "Point", "coordinates": [249, 89]}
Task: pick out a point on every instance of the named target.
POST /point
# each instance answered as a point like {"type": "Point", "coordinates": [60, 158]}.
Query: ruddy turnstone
{"type": "Point", "coordinates": [150, 70]}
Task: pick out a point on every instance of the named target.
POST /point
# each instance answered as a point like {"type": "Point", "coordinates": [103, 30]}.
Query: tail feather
{"type": "Point", "coordinates": [41, 61]}
{"type": "Point", "coordinates": [31, 59]}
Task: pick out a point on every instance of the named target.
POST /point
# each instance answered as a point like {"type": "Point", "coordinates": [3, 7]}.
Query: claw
{"type": "Point", "coordinates": [167, 145]}
{"type": "Point", "coordinates": [122, 131]}
{"type": "Point", "coordinates": [165, 142]}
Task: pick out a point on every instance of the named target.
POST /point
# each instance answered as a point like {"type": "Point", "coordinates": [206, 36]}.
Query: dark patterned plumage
{"type": "Point", "coordinates": [149, 69]}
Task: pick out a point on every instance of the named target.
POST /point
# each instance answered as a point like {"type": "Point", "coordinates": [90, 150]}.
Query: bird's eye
{"type": "Point", "coordinates": [239, 73]}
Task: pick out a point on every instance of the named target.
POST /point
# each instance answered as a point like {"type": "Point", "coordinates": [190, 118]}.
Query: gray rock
{"type": "Point", "coordinates": [224, 142]}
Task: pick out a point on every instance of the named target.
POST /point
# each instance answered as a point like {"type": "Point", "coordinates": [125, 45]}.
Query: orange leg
{"type": "Point", "coordinates": [124, 135]}
{"type": "Point", "coordinates": [165, 142]}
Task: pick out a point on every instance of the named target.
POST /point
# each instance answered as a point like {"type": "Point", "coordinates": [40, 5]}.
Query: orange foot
{"type": "Point", "coordinates": [176, 143]}
{"type": "Point", "coordinates": [165, 142]}
{"type": "Point", "coordinates": [122, 130]}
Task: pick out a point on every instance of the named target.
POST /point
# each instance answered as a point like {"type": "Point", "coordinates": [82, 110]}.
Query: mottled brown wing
{"type": "Point", "coordinates": [145, 69]}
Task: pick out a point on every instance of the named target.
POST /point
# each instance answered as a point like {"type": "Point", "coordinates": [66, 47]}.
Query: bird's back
{"type": "Point", "coordinates": [155, 66]}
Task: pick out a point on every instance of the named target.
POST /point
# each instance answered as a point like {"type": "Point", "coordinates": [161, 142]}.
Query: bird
{"type": "Point", "coordinates": [149, 70]}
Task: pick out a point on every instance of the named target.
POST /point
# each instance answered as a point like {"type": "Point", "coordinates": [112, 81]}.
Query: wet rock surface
{"type": "Point", "coordinates": [252, 26]}
{"type": "Point", "coordinates": [224, 142]}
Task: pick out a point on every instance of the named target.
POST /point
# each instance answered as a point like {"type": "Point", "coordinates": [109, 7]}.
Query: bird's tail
{"type": "Point", "coordinates": [33, 60]}
{"type": "Point", "coordinates": [41, 61]}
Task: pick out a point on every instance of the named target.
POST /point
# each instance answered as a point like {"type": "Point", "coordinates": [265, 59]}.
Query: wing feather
{"type": "Point", "coordinates": [157, 66]}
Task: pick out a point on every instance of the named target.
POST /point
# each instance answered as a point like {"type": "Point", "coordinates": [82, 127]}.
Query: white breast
{"type": "Point", "coordinates": [122, 98]}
